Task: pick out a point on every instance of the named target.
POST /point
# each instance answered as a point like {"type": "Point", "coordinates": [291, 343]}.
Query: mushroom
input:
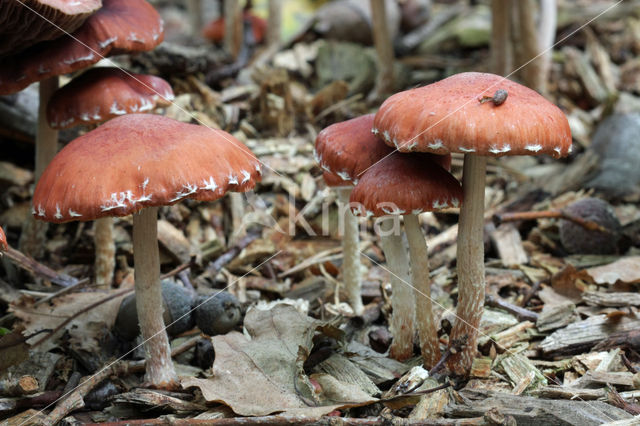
{"type": "Point", "coordinates": [461, 114]}
{"type": "Point", "coordinates": [120, 26]}
{"type": "Point", "coordinates": [345, 150]}
{"type": "Point", "coordinates": [132, 165]}
{"type": "Point", "coordinates": [409, 185]}
{"type": "Point", "coordinates": [103, 93]}
{"type": "Point", "coordinates": [98, 95]}
{"type": "Point", "coordinates": [46, 20]}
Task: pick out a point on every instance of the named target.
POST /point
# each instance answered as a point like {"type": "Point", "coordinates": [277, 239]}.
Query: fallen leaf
{"type": "Point", "coordinates": [262, 374]}
{"type": "Point", "coordinates": [626, 270]}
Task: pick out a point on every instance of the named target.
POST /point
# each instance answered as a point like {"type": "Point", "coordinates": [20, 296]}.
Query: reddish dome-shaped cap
{"type": "Point", "coordinates": [448, 116]}
{"type": "Point", "coordinates": [25, 23]}
{"type": "Point", "coordinates": [349, 148]}
{"type": "Point", "coordinates": [3, 241]}
{"type": "Point", "coordinates": [101, 94]}
{"type": "Point", "coordinates": [214, 30]}
{"type": "Point", "coordinates": [333, 180]}
{"type": "Point", "coordinates": [120, 26]}
{"type": "Point", "coordinates": [141, 160]}
{"type": "Point", "coordinates": [405, 184]}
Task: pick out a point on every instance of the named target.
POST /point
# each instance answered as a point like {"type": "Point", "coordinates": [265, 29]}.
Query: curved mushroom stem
{"type": "Point", "coordinates": [160, 372]}
{"type": "Point", "coordinates": [429, 345]}
{"type": "Point", "coordinates": [351, 274]}
{"type": "Point", "coordinates": [105, 251]}
{"type": "Point", "coordinates": [403, 316]}
{"type": "Point", "coordinates": [33, 236]}
{"type": "Point", "coordinates": [470, 258]}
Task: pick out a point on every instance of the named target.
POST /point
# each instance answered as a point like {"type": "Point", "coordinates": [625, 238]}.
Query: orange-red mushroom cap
{"type": "Point", "coordinates": [348, 148]}
{"type": "Point", "coordinates": [25, 23]}
{"type": "Point", "coordinates": [100, 94]}
{"type": "Point", "coordinates": [141, 160]}
{"type": "Point", "coordinates": [405, 184]}
{"type": "Point", "coordinates": [120, 26]}
{"type": "Point", "coordinates": [3, 241]}
{"type": "Point", "coordinates": [448, 116]}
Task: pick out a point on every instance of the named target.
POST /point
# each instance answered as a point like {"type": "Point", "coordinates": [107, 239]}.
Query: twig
{"type": "Point", "coordinates": [521, 313]}
{"type": "Point", "coordinates": [550, 214]}
{"type": "Point", "coordinates": [80, 312]}
{"type": "Point", "coordinates": [38, 269]}
{"type": "Point", "coordinates": [75, 399]}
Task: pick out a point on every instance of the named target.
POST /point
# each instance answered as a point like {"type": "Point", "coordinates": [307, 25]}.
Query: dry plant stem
{"type": "Point", "coordinates": [105, 251]}
{"type": "Point", "coordinates": [470, 259]}
{"type": "Point", "coordinates": [589, 225]}
{"type": "Point", "coordinates": [384, 48]}
{"type": "Point", "coordinates": [427, 331]}
{"type": "Point", "coordinates": [233, 24]}
{"type": "Point", "coordinates": [351, 266]}
{"type": "Point", "coordinates": [547, 35]}
{"type": "Point", "coordinates": [501, 53]}
{"type": "Point", "coordinates": [274, 23]}
{"type": "Point", "coordinates": [195, 16]}
{"type": "Point", "coordinates": [402, 322]}
{"type": "Point", "coordinates": [33, 236]}
{"type": "Point", "coordinates": [532, 74]}
{"type": "Point", "coordinates": [160, 371]}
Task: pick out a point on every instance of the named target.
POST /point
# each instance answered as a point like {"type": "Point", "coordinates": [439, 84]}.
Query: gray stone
{"type": "Point", "coordinates": [617, 143]}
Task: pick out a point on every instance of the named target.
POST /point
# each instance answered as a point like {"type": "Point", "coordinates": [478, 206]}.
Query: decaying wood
{"type": "Point", "coordinates": [617, 299]}
{"type": "Point", "coordinates": [508, 243]}
{"type": "Point", "coordinates": [38, 269]}
{"type": "Point", "coordinates": [585, 334]}
{"type": "Point", "coordinates": [557, 316]}
{"type": "Point", "coordinates": [522, 313]}
{"type": "Point", "coordinates": [535, 411]}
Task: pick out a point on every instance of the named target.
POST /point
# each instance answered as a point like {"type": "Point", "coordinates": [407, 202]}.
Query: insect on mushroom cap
{"type": "Point", "coordinates": [450, 116]}
{"type": "Point", "coordinates": [141, 160]}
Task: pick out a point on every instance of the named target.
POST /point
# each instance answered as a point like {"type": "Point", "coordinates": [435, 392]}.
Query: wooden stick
{"type": "Point", "coordinates": [550, 214]}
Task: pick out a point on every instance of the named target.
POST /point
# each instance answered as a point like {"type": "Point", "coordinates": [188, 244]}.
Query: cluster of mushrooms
{"type": "Point", "coordinates": [130, 165]}
{"type": "Point", "coordinates": [396, 163]}
{"type": "Point", "coordinates": [391, 164]}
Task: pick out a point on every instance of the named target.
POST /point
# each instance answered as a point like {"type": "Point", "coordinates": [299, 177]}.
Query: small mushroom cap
{"type": "Point", "coordinates": [120, 26]}
{"type": "Point", "coordinates": [22, 25]}
{"type": "Point", "coordinates": [448, 116]}
{"type": "Point", "coordinates": [405, 184]}
{"type": "Point", "coordinates": [141, 160]}
{"type": "Point", "coordinates": [333, 180]}
{"type": "Point", "coordinates": [349, 148]}
{"type": "Point", "coordinates": [100, 94]}
{"type": "Point", "coordinates": [3, 241]}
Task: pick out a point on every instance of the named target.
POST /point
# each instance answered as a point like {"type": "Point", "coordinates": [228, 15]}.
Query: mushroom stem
{"type": "Point", "coordinates": [236, 205]}
{"type": "Point", "coordinates": [274, 23]}
{"type": "Point", "coordinates": [427, 331]}
{"type": "Point", "coordinates": [403, 316]}
{"type": "Point", "coordinates": [384, 48]}
{"type": "Point", "coordinates": [105, 251]}
{"type": "Point", "coordinates": [159, 371]}
{"type": "Point", "coordinates": [33, 234]}
{"type": "Point", "coordinates": [350, 252]}
{"type": "Point", "coordinates": [470, 259]}
{"type": "Point", "coordinates": [194, 7]}
{"type": "Point", "coordinates": [233, 23]}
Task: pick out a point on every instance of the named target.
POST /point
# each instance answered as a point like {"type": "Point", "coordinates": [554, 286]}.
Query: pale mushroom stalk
{"type": "Point", "coordinates": [146, 259]}
{"type": "Point", "coordinates": [427, 330]}
{"type": "Point", "coordinates": [194, 7]}
{"type": "Point", "coordinates": [384, 48]}
{"type": "Point", "coordinates": [33, 236]}
{"type": "Point", "coordinates": [351, 265]}
{"type": "Point", "coordinates": [403, 316]}
{"type": "Point", "coordinates": [470, 263]}
{"type": "Point", "coordinates": [274, 23]}
{"type": "Point", "coordinates": [105, 246]}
